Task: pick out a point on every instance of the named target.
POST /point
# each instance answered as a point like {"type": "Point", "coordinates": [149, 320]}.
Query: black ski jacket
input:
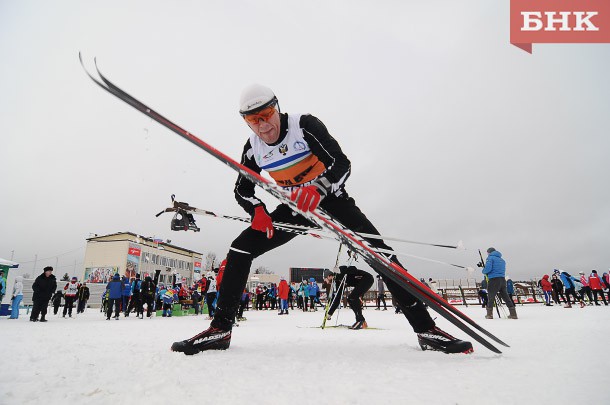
{"type": "Point", "coordinates": [44, 287]}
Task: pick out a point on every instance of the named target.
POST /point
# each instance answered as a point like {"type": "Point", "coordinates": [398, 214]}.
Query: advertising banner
{"type": "Point", "coordinates": [133, 260]}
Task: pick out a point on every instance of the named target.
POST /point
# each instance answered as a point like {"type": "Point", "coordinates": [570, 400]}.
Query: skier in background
{"type": "Point", "coordinates": [299, 153]}
{"type": "Point", "coordinates": [70, 295]}
{"type": "Point", "coordinates": [360, 280]}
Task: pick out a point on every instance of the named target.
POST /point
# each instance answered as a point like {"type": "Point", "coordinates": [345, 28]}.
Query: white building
{"type": "Point", "coordinates": [129, 254]}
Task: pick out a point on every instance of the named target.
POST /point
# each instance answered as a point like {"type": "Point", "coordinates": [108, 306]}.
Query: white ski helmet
{"type": "Point", "coordinates": [254, 98]}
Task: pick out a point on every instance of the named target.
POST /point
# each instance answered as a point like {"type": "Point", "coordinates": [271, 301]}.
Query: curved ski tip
{"type": "Point", "coordinates": [460, 245]}
{"type": "Point", "coordinates": [470, 270]}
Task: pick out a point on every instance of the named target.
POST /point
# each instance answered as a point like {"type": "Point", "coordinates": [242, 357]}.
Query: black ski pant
{"type": "Point", "coordinates": [600, 292]}
{"type": "Point", "coordinates": [209, 299]}
{"type": "Point", "coordinates": [354, 297]}
{"type": "Point", "coordinates": [497, 286]}
{"type": "Point", "coordinates": [380, 299]}
{"type": "Point", "coordinates": [81, 306]}
{"type": "Point", "coordinates": [149, 300]}
{"type": "Point", "coordinates": [135, 302]}
{"type": "Point", "coordinates": [56, 307]}
{"type": "Point", "coordinates": [586, 290]}
{"type": "Point", "coordinates": [251, 243]}
{"type": "Point", "coordinates": [68, 305]}
{"type": "Point", "coordinates": [259, 301]}
{"type": "Point", "coordinates": [39, 307]}
{"type": "Point", "coordinates": [573, 293]}
{"type": "Point", "coordinates": [117, 305]}
{"type": "Point", "coordinates": [557, 295]}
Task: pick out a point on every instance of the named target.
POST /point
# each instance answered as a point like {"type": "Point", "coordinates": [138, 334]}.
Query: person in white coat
{"type": "Point", "coordinates": [17, 297]}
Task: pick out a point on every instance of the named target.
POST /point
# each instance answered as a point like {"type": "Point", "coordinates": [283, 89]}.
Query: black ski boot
{"type": "Point", "coordinates": [210, 339]}
{"type": "Point", "coordinates": [437, 339]}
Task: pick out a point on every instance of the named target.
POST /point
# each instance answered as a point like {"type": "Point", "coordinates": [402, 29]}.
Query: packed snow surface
{"type": "Point", "coordinates": [556, 355]}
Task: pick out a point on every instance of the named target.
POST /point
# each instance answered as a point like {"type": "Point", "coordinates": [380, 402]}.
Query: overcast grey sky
{"type": "Point", "coordinates": [453, 133]}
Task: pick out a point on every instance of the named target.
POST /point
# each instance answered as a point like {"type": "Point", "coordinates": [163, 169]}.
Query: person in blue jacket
{"type": "Point", "coordinates": [126, 294]}
{"type": "Point", "coordinates": [115, 292]}
{"type": "Point", "coordinates": [314, 289]}
{"type": "Point", "coordinates": [495, 272]}
{"type": "Point", "coordinates": [569, 283]}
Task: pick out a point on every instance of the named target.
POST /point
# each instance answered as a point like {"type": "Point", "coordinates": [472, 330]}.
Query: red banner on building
{"type": "Point", "coordinates": [134, 251]}
{"type": "Point", "coordinates": [558, 22]}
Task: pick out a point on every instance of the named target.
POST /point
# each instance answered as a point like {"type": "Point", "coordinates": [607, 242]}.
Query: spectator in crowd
{"type": "Point", "coordinates": [570, 289]}
{"type": "Point", "coordinates": [314, 290]}
{"type": "Point", "coordinates": [167, 296]}
{"type": "Point", "coordinates": [243, 305]}
{"type": "Point", "coordinates": [597, 286]}
{"type": "Point", "coordinates": [360, 280]}
{"type": "Point", "coordinates": [115, 293]}
{"type": "Point", "coordinates": [301, 297]}
{"type": "Point", "coordinates": [16, 297]}
{"type": "Point", "coordinates": [606, 280]}
{"type": "Point", "coordinates": [381, 294]}
{"type": "Point", "coordinates": [56, 301]}
{"type": "Point", "coordinates": [557, 287]}
{"type": "Point", "coordinates": [495, 271]}
{"type": "Point", "coordinates": [125, 294]}
{"type": "Point", "coordinates": [196, 298]}
{"type": "Point", "coordinates": [510, 289]}
{"type": "Point", "coordinates": [83, 297]}
{"type": "Point", "coordinates": [44, 286]}
{"type": "Point", "coordinates": [136, 297]}
{"type": "Point", "coordinates": [2, 285]}
{"type": "Point", "coordinates": [211, 296]}
{"type": "Point", "coordinates": [282, 292]}
{"type": "Point", "coordinates": [148, 296]}
{"type": "Point", "coordinates": [260, 291]}
{"type": "Point", "coordinates": [547, 289]}
{"type": "Point", "coordinates": [70, 295]}
{"type": "Point", "coordinates": [586, 289]}
{"type": "Point", "coordinates": [272, 295]}
{"type": "Point", "coordinates": [292, 295]}
{"type": "Point", "coordinates": [483, 293]}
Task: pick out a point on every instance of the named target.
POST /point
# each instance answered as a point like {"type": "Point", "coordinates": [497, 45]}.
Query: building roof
{"type": "Point", "coordinates": [134, 238]}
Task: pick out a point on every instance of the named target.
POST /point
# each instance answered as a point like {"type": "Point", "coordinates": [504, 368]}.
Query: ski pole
{"type": "Point", "coordinates": [179, 207]}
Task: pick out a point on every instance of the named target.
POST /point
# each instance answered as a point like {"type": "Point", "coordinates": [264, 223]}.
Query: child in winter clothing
{"type": "Point", "coordinates": [547, 289]}
{"type": "Point", "coordinates": [17, 297]}
{"type": "Point", "coordinates": [56, 300]}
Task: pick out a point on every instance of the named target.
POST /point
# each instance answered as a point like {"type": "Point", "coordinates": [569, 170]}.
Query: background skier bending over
{"type": "Point", "coordinates": [303, 158]}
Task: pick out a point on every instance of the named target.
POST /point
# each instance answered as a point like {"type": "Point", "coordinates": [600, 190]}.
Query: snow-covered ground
{"type": "Point", "coordinates": [557, 355]}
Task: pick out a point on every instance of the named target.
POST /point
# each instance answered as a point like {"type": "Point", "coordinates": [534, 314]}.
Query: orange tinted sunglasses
{"type": "Point", "coordinates": [265, 114]}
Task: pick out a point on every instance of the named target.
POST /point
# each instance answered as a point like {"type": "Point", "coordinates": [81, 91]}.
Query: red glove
{"type": "Point", "coordinates": [307, 198]}
{"type": "Point", "coordinates": [262, 221]}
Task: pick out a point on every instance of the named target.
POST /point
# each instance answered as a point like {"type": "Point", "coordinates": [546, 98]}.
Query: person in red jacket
{"type": "Point", "coordinates": [597, 286]}
{"type": "Point", "coordinates": [547, 289]}
{"type": "Point", "coordinates": [221, 272]}
{"type": "Point", "coordinates": [282, 292]}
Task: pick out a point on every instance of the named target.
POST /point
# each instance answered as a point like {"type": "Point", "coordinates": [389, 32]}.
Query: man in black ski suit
{"type": "Point", "coordinates": [360, 280]}
{"type": "Point", "coordinates": [298, 152]}
{"type": "Point", "coordinates": [44, 286]}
